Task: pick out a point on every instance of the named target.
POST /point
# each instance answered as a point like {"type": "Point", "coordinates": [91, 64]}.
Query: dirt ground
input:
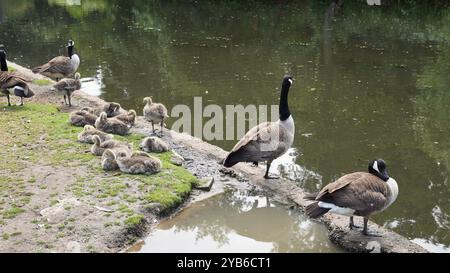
{"type": "Point", "coordinates": [54, 195]}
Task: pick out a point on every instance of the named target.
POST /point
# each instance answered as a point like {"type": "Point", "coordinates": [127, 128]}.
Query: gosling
{"type": "Point", "coordinates": [155, 113]}
{"type": "Point", "coordinates": [112, 125]}
{"type": "Point", "coordinates": [99, 147]}
{"type": "Point", "coordinates": [86, 136]}
{"type": "Point", "coordinates": [109, 162]}
{"type": "Point", "coordinates": [139, 163]}
{"type": "Point", "coordinates": [154, 144]}
{"type": "Point", "coordinates": [68, 86]}
{"type": "Point", "coordinates": [128, 118]}
{"type": "Point", "coordinates": [83, 117]}
{"type": "Point", "coordinates": [111, 109]}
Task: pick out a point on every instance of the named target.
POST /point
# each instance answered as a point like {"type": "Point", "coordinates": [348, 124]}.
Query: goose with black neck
{"type": "Point", "coordinates": [268, 140]}
{"type": "Point", "coordinates": [12, 83]}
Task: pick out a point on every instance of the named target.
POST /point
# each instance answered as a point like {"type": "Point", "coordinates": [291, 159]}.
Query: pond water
{"type": "Point", "coordinates": [370, 81]}
{"type": "Point", "coordinates": [237, 221]}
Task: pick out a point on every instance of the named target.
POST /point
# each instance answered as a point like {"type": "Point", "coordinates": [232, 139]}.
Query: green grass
{"type": "Point", "coordinates": [23, 127]}
{"type": "Point", "coordinates": [42, 82]}
{"type": "Point", "coordinates": [134, 220]}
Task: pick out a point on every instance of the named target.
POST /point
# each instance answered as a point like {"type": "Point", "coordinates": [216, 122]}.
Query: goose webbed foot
{"type": "Point", "coordinates": [366, 232]}
{"type": "Point", "coordinates": [255, 164]}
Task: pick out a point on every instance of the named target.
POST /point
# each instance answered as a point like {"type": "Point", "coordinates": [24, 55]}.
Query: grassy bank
{"type": "Point", "coordinates": [42, 164]}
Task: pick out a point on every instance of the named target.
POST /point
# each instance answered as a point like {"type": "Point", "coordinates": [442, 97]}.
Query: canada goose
{"type": "Point", "coordinates": [61, 66]}
{"type": "Point", "coordinates": [154, 113]}
{"type": "Point", "coordinates": [154, 144]}
{"type": "Point", "coordinates": [67, 86]}
{"type": "Point", "coordinates": [86, 136]}
{"type": "Point", "coordinates": [111, 125]}
{"type": "Point", "coordinates": [99, 147]}
{"type": "Point", "coordinates": [128, 118]}
{"type": "Point", "coordinates": [111, 109]}
{"type": "Point", "coordinates": [356, 194]}
{"type": "Point", "coordinates": [12, 83]}
{"type": "Point", "coordinates": [138, 163]}
{"type": "Point", "coordinates": [82, 117]}
{"type": "Point", "coordinates": [268, 140]}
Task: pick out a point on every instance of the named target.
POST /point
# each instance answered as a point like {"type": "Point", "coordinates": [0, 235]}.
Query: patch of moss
{"type": "Point", "coordinates": [12, 212]}
{"type": "Point", "coordinates": [42, 82]}
{"type": "Point", "coordinates": [134, 220]}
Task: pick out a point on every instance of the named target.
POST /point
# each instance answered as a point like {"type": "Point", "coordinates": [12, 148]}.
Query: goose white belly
{"type": "Point", "coordinates": [75, 61]}
{"type": "Point", "coordinates": [290, 126]}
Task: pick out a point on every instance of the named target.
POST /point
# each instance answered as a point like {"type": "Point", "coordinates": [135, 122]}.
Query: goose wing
{"type": "Point", "coordinates": [11, 79]}
{"type": "Point", "coordinates": [265, 141]}
{"type": "Point", "coordinates": [60, 64]}
{"type": "Point", "coordinates": [363, 192]}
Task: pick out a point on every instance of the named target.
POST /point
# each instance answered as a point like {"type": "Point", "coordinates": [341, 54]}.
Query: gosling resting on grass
{"type": "Point", "coordinates": [99, 147]}
{"type": "Point", "coordinates": [111, 125]}
{"type": "Point", "coordinates": [86, 136]}
{"type": "Point", "coordinates": [155, 113]}
{"type": "Point", "coordinates": [139, 163]}
{"type": "Point", "coordinates": [12, 83]}
{"type": "Point", "coordinates": [82, 117]}
{"type": "Point", "coordinates": [128, 118]}
{"type": "Point", "coordinates": [154, 145]}
{"type": "Point", "coordinates": [356, 194]}
{"type": "Point", "coordinates": [109, 162]}
{"type": "Point", "coordinates": [61, 66]}
{"type": "Point", "coordinates": [67, 86]}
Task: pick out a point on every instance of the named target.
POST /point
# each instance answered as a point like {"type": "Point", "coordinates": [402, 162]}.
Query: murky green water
{"type": "Point", "coordinates": [370, 81]}
{"type": "Point", "coordinates": [237, 222]}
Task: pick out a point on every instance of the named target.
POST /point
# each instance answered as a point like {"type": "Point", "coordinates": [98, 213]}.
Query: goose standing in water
{"type": "Point", "coordinates": [67, 86]}
{"type": "Point", "coordinates": [61, 66]}
{"type": "Point", "coordinates": [268, 140]}
{"type": "Point", "coordinates": [12, 83]}
{"type": "Point", "coordinates": [356, 194]}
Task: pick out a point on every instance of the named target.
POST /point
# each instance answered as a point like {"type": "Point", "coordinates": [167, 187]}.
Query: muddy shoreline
{"type": "Point", "coordinates": [201, 159]}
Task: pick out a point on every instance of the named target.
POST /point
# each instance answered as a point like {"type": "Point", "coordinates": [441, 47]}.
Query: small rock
{"type": "Point", "coordinates": [176, 159]}
{"type": "Point", "coordinates": [103, 209]}
{"type": "Point", "coordinates": [205, 184]}
{"type": "Point", "coordinates": [73, 247]}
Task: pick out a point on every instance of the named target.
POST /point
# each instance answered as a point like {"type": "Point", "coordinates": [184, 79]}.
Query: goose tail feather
{"type": "Point", "coordinates": [314, 211]}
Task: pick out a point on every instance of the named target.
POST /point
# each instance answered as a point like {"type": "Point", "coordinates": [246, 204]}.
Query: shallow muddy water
{"type": "Point", "coordinates": [237, 221]}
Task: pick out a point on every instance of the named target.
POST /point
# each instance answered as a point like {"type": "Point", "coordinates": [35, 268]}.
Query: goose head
{"type": "Point", "coordinates": [377, 167]}
{"type": "Point", "coordinates": [287, 81]}
{"type": "Point", "coordinates": [148, 100]}
{"type": "Point", "coordinates": [109, 154]}
{"type": "Point", "coordinates": [70, 45]}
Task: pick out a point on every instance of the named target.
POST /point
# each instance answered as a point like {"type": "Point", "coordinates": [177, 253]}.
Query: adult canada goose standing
{"type": "Point", "coordinates": [268, 140]}
{"type": "Point", "coordinates": [67, 86]}
{"type": "Point", "coordinates": [155, 113]}
{"type": "Point", "coordinates": [359, 194]}
{"type": "Point", "coordinates": [61, 66]}
{"type": "Point", "coordinates": [12, 83]}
